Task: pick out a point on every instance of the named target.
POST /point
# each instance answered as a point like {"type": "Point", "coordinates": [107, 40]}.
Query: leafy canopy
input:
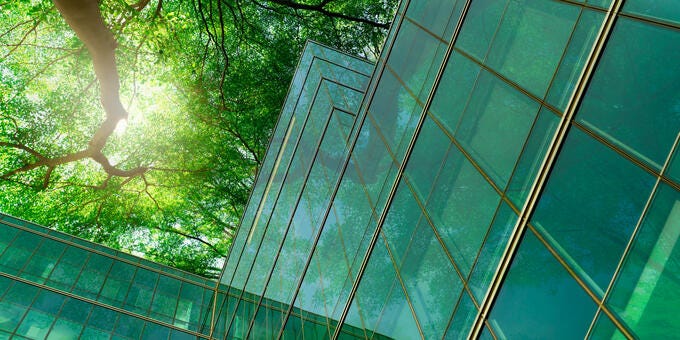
{"type": "Point", "coordinates": [203, 82]}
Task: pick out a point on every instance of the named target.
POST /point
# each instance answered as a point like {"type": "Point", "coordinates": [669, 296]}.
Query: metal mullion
{"type": "Point", "coordinates": [397, 276]}
{"type": "Point", "coordinates": [509, 82]}
{"type": "Point", "coordinates": [402, 166]}
{"type": "Point", "coordinates": [320, 227]}
{"type": "Point", "coordinates": [105, 254]}
{"type": "Point", "coordinates": [318, 234]}
{"type": "Point", "coordinates": [547, 165]}
{"type": "Point", "coordinates": [633, 159]}
{"type": "Point", "coordinates": [632, 239]}
{"type": "Point", "coordinates": [96, 303]}
{"type": "Point", "coordinates": [650, 20]}
{"type": "Point", "coordinates": [278, 194]}
{"type": "Point", "coordinates": [269, 145]}
{"type": "Point", "coordinates": [292, 215]}
{"type": "Point", "coordinates": [430, 33]}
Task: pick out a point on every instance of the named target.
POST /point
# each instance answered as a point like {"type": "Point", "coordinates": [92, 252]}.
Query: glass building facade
{"type": "Point", "coordinates": [507, 169]}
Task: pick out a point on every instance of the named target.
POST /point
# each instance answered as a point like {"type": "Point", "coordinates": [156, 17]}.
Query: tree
{"type": "Point", "coordinates": [203, 83]}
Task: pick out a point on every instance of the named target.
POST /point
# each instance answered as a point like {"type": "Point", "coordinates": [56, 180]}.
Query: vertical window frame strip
{"type": "Point", "coordinates": [543, 173]}
{"type": "Point", "coordinates": [402, 167]}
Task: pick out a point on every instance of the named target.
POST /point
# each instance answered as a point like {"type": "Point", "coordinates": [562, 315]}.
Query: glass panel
{"type": "Point", "coordinates": [64, 329]}
{"type": "Point", "coordinates": [494, 245]}
{"type": "Point", "coordinates": [453, 93]}
{"type": "Point", "coordinates": [427, 157]}
{"type": "Point", "coordinates": [673, 171]}
{"type": "Point", "coordinates": [530, 42]}
{"type": "Point", "coordinates": [430, 281]}
{"type": "Point", "coordinates": [462, 208]}
{"type": "Point", "coordinates": [667, 10]}
{"type": "Point", "coordinates": [574, 58]}
{"type": "Point", "coordinates": [525, 172]}
{"type": "Point", "coordinates": [380, 305]}
{"type": "Point", "coordinates": [463, 318]}
{"type": "Point", "coordinates": [481, 23]}
{"type": "Point", "coordinates": [590, 206]}
{"type": "Point", "coordinates": [495, 125]}
{"type": "Point", "coordinates": [633, 100]}
{"type": "Point", "coordinates": [35, 324]}
{"type": "Point", "coordinates": [647, 293]}
{"type": "Point", "coordinates": [605, 329]}
{"type": "Point", "coordinates": [415, 58]}
{"type": "Point", "coordinates": [436, 15]}
{"type": "Point", "coordinates": [539, 299]}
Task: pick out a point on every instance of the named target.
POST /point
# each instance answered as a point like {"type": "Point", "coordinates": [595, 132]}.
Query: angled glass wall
{"type": "Point", "coordinates": [57, 286]}
{"type": "Point", "coordinates": [513, 172]}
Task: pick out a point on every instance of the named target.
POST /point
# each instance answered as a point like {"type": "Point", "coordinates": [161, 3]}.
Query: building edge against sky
{"type": "Point", "coordinates": [507, 169]}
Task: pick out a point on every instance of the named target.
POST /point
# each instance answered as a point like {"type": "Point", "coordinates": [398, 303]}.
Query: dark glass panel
{"type": "Point", "coordinates": [667, 10]}
{"type": "Point", "coordinates": [633, 100]}
{"type": "Point", "coordinates": [590, 205]}
{"type": "Point", "coordinates": [539, 299]}
{"type": "Point", "coordinates": [463, 318]}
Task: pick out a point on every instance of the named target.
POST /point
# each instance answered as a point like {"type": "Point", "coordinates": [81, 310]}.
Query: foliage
{"type": "Point", "coordinates": [203, 83]}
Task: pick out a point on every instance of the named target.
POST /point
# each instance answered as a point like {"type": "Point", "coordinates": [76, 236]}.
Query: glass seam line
{"type": "Point", "coordinates": [370, 92]}
{"type": "Point", "coordinates": [99, 252]}
{"type": "Point", "coordinates": [278, 194]}
{"type": "Point", "coordinates": [309, 70]}
{"type": "Point", "coordinates": [401, 168]}
{"type": "Point", "coordinates": [100, 304]}
{"type": "Point", "coordinates": [291, 218]}
{"type": "Point", "coordinates": [548, 162]}
{"type": "Point", "coordinates": [629, 245]}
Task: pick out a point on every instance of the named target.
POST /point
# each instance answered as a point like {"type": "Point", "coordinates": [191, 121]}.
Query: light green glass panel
{"type": "Point", "coordinates": [666, 10]}
{"type": "Point", "coordinates": [490, 254]}
{"type": "Point", "coordinates": [590, 205]}
{"type": "Point", "coordinates": [65, 329]}
{"type": "Point", "coordinates": [574, 58]}
{"type": "Point", "coordinates": [530, 42]}
{"type": "Point", "coordinates": [495, 125]}
{"type": "Point", "coordinates": [35, 325]}
{"type": "Point", "coordinates": [539, 299]}
{"type": "Point", "coordinates": [427, 157]}
{"type": "Point", "coordinates": [431, 282]}
{"type": "Point", "coordinates": [479, 28]}
{"type": "Point", "coordinates": [380, 305]}
{"type": "Point", "coordinates": [10, 315]}
{"type": "Point", "coordinates": [435, 15]}
{"type": "Point", "coordinates": [647, 293]}
{"type": "Point", "coordinates": [454, 90]}
{"type": "Point", "coordinates": [395, 113]}
{"type": "Point", "coordinates": [95, 334]}
{"type": "Point", "coordinates": [633, 100]}
{"type": "Point", "coordinates": [462, 209]}
{"type": "Point", "coordinates": [532, 157]}
{"type": "Point", "coordinates": [463, 318]}
{"type": "Point", "coordinates": [415, 58]}
{"type": "Point", "coordinates": [401, 221]}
